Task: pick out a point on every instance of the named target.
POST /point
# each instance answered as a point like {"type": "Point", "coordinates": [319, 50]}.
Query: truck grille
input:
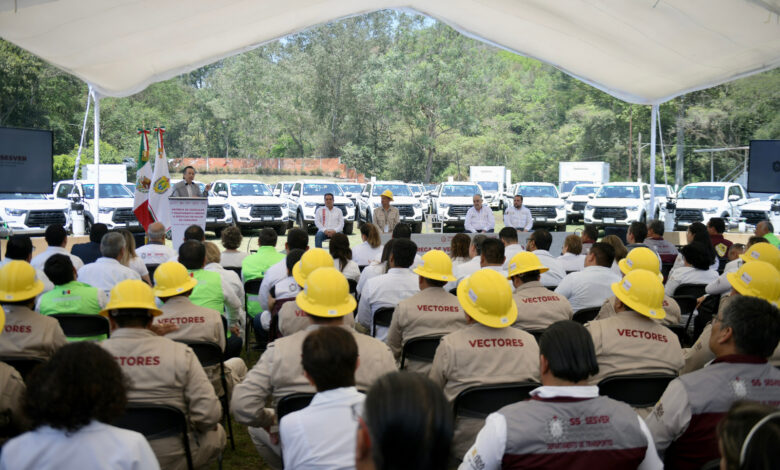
{"type": "Point", "coordinates": [45, 218]}
{"type": "Point", "coordinates": [612, 212]}
{"type": "Point", "coordinates": [688, 215]}
{"type": "Point", "coordinates": [578, 206]}
{"type": "Point", "coordinates": [265, 211]}
{"type": "Point", "coordinates": [123, 216]}
{"type": "Point", "coordinates": [405, 211]}
{"type": "Point", "coordinates": [548, 212]}
{"type": "Point", "coordinates": [754, 217]}
{"type": "Point", "coordinates": [458, 211]}
{"type": "Point", "coordinates": [215, 212]}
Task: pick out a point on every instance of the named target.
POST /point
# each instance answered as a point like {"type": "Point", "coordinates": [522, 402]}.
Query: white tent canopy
{"type": "Point", "coordinates": [641, 51]}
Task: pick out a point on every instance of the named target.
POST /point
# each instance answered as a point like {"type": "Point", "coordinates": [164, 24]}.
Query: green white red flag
{"type": "Point", "coordinates": [143, 182]}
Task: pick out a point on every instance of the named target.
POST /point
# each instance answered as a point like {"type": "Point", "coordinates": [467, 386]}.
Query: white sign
{"type": "Point", "coordinates": [441, 241]}
{"type": "Point", "coordinates": [186, 211]}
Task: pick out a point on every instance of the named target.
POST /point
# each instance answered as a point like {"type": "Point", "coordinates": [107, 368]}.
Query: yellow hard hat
{"type": "Point", "coordinates": [436, 265]}
{"type": "Point", "coordinates": [131, 293]}
{"type": "Point", "coordinates": [326, 294]}
{"type": "Point", "coordinates": [641, 258]}
{"type": "Point", "coordinates": [642, 292]}
{"type": "Point", "coordinates": [171, 278]}
{"type": "Point", "coordinates": [18, 282]}
{"type": "Point", "coordinates": [762, 252]}
{"type": "Point", "coordinates": [2, 320]}
{"type": "Point", "coordinates": [487, 298]}
{"type": "Point", "coordinates": [311, 260]}
{"type": "Point", "coordinates": [388, 193]}
{"type": "Point", "coordinates": [524, 262]}
{"type": "Point", "coordinates": [757, 279]}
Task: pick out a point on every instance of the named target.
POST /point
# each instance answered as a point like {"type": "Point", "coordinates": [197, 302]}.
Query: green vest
{"type": "Point", "coordinates": [772, 238]}
{"type": "Point", "coordinates": [73, 297]}
{"type": "Point", "coordinates": [208, 291]}
{"type": "Point", "coordinates": [255, 265]}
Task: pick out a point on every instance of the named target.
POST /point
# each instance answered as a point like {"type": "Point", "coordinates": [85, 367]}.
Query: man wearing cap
{"type": "Point", "coordinates": [328, 219]}
{"type": "Point", "coordinates": [26, 334]}
{"type": "Point", "coordinates": [683, 421]}
{"type": "Point", "coordinates": [754, 279]}
{"type": "Point", "coordinates": [518, 216]}
{"type": "Point", "coordinates": [537, 306]}
{"type": "Point", "coordinates": [591, 286]}
{"type": "Point", "coordinates": [631, 342]}
{"type": "Point", "coordinates": [643, 258]}
{"type": "Point", "coordinates": [431, 312]}
{"type": "Point", "coordinates": [173, 286]}
{"type": "Point", "coordinates": [278, 373]}
{"type": "Point", "coordinates": [479, 219]}
{"type": "Point", "coordinates": [11, 392]}
{"type": "Point", "coordinates": [163, 372]}
{"type": "Point", "coordinates": [484, 352]}
{"type": "Point", "coordinates": [386, 217]}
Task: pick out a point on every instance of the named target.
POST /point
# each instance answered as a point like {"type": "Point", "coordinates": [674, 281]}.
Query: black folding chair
{"type": "Point", "coordinates": [382, 317]}
{"type": "Point", "coordinates": [23, 365]}
{"type": "Point", "coordinates": [151, 268]}
{"type": "Point", "coordinates": [454, 291]}
{"type": "Point", "coordinates": [235, 269]}
{"type": "Point", "coordinates": [352, 286]}
{"type": "Point", "coordinates": [637, 390]}
{"type": "Point", "coordinates": [251, 288]}
{"type": "Point", "coordinates": [210, 354]}
{"type": "Point", "coordinates": [586, 314]}
{"type": "Point", "coordinates": [156, 422]}
{"type": "Point", "coordinates": [682, 335]}
{"type": "Point", "coordinates": [480, 401]}
{"type": "Point", "coordinates": [420, 349]}
{"type": "Point", "coordinates": [686, 296]}
{"type": "Point", "coordinates": [77, 325]}
{"type": "Point", "coordinates": [292, 402]}
{"type": "Point", "coordinates": [666, 268]}
{"type": "Point", "coordinates": [536, 334]}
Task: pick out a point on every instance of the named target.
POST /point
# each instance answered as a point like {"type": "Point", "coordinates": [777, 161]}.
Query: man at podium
{"type": "Point", "coordinates": [187, 188]}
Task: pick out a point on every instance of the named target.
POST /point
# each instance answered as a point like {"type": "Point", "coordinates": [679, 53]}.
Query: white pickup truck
{"type": "Point", "coordinates": [29, 214]}
{"type": "Point", "coordinates": [306, 195]}
{"type": "Point", "coordinates": [116, 203]}
{"type": "Point", "coordinates": [578, 198]}
{"type": "Point", "coordinates": [760, 211]}
{"type": "Point", "coordinates": [545, 204]}
{"type": "Point", "coordinates": [252, 204]}
{"type": "Point", "coordinates": [450, 201]}
{"type": "Point", "coordinates": [618, 205]}
{"type": "Point", "coordinates": [699, 202]}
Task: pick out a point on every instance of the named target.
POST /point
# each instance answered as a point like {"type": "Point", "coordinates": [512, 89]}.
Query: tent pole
{"type": "Point", "coordinates": [96, 98]}
{"type": "Point", "coordinates": [653, 122]}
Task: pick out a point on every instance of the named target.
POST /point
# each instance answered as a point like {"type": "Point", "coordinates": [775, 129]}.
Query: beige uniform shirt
{"type": "Point", "coordinates": [11, 391]}
{"type": "Point", "coordinates": [480, 355]}
{"type": "Point", "coordinates": [29, 334]}
{"type": "Point", "coordinates": [434, 311]}
{"type": "Point", "coordinates": [672, 309]}
{"type": "Point", "coordinates": [163, 371]}
{"type": "Point", "coordinates": [279, 373]}
{"type": "Point", "coordinates": [700, 354]}
{"type": "Point", "coordinates": [629, 343]}
{"type": "Point", "coordinates": [386, 220]}
{"type": "Point", "coordinates": [292, 319]}
{"type": "Point", "coordinates": [538, 307]}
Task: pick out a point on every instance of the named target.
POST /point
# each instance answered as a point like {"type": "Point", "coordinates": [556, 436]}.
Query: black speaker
{"type": "Point", "coordinates": [764, 166]}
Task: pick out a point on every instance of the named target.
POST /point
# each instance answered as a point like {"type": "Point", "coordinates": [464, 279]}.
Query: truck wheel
{"type": "Point", "coordinates": [280, 229]}
{"type": "Point", "coordinates": [417, 227]}
{"type": "Point", "coordinates": [301, 222]}
{"type": "Point", "coordinates": [348, 227]}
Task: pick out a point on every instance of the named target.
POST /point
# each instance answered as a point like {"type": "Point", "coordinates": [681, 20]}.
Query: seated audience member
{"type": "Point", "coordinates": [342, 257]}
{"type": "Point", "coordinates": [405, 231]}
{"type": "Point", "coordinates": [539, 242]}
{"type": "Point", "coordinates": [537, 306]}
{"type": "Point", "coordinates": [473, 265]}
{"type": "Point", "coordinates": [766, 230]}
{"type": "Point", "coordinates": [620, 250]}
{"type": "Point", "coordinates": [70, 401]}
{"type": "Point", "coordinates": [485, 352]}
{"type": "Point", "coordinates": [231, 240]}
{"type": "Point", "coordinates": [386, 217]}
{"type": "Point", "coordinates": [591, 286]}
{"type": "Point", "coordinates": [642, 258]}
{"type": "Point", "coordinates": [11, 391]}
{"type": "Point", "coordinates": [459, 249]}
{"type": "Point", "coordinates": [163, 372]}
{"type": "Point", "coordinates": [479, 219]}
{"type": "Point", "coordinates": [518, 216]}
{"type": "Point", "coordinates": [323, 434]}
{"type": "Point", "coordinates": [492, 256]}
{"type": "Point", "coordinates": [131, 259]}
{"type": "Point", "coordinates": [754, 279]}
{"type": "Point", "coordinates": [655, 241]}
{"type": "Point", "coordinates": [231, 278]}
{"type": "Point", "coordinates": [747, 436]}
{"type": "Point", "coordinates": [534, 433]}
{"type": "Point", "coordinates": [389, 289]}
{"type": "Point", "coordinates": [26, 334]}
{"type": "Point", "coordinates": [408, 405]}
{"type": "Point", "coordinates": [279, 372]}
{"type": "Point", "coordinates": [255, 265]}
{"type": "Point", "coordinates": [589, 236]}
{"type": "Point", "coordinates": [328, 219]}
{"type": "Point", "coordinates": [757, 249]}
{"type": "Point", "coordinates": [431, 312]}
{"type": "Point", "coordinates": [632, 342]}
{"type": "Point", "coordinates": [297, 239]}
{"type": "Point", "coordinates": [696, 269]}
{"type": "Point", "coordinates": [173, 286]}
{"type": "Point", "coordinates": [697, 232]}
{"type": "Point", "coordinates": [636, 235]}
{"type": "Point", "coordinates": [744, 334]}
{"type": "Point", "coordinates": [89, 252]}
{"type": "Point", "coordinates": [508, 237]}
{"type": "Point", "coordinates": [375, 270]}
{"type": "Point", "coordinates": [571, 258]}
{"type": "Point", "coordinates": [20, 248]}
{"type": "Point", "coordinates": [108, 271]}
{"type": "Point", "coordinates": [370, 251]}
{"type": "Point", "coordinates": [155, 251]}
{"type": "Point", "coordinates": [195, 233]}
{"type": "Point", "coordinates": [57, 239]}
{"type": "Point", "coordinates": [715, 228]}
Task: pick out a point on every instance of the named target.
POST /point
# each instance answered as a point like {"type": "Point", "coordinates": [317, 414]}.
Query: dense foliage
{"type": "Point", "coordinates": [396, 96]}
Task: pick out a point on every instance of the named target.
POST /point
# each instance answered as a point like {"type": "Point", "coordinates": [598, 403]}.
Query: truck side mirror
{"type": "Point", "coordinates": [591, 195]}
{"type": "Point", "coordinates": [222, 193]}
{"type": "Point", "coordinates": [646, 196]}
{"type": "Point", "coordinates": [733, 198]}
{"type": "Point", "coordinates": [295, 193]}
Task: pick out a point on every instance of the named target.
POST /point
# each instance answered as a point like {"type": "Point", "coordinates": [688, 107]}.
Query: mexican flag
{"type": "Point", "coordinates": [161, 184]}
{"type": "Point", "coordinates": [143, 181]}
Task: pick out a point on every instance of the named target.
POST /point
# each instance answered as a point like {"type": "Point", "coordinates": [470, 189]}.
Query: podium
{"type": "Point", "coordinates": [186, 211]}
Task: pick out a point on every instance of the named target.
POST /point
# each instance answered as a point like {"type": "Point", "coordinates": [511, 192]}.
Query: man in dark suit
{"type": "Point", "coordinates": [187, 188]}
{"type": "Point", "coordinates": [89, 252]}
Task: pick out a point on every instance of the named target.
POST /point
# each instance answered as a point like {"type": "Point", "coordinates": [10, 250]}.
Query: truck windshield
{"type": "Point", "coordinates": [320, 189]}
{"type": "Point", "coordinates": [352, 188]}
{"type": "Point", "coordinates": [536, 191]}
{"type": "Point", "coordinates": [396, 189]}
{"type": "Point", "coordinates": [429, 187]}
{"type": "Point", "coordinates": [22, 196]}
{"type": "Point", "coordinates": [661, 191]}
{"type": "Point", "coordinates": [460, 190]}
{"type": "Point", "coordinates": [249, 189]}
{"type": "Point", "coordinates": [712, 193]}
{"type": "Point", "coordinates": [107, 190]}
{"type": "Point", "coordinates": [619, 192]}
{"type": "Point", "coordinates": [581, 190]}
{"type": "Point", "coordinates": [488, 185]}
{"type": "Point", "coordinates": [566, 186]}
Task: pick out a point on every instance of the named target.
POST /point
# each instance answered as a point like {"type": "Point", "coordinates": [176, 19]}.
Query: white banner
{"type": "Point", "coordinates": [441, 241]}
{"type": "Point", "coordinates": [186, 211]}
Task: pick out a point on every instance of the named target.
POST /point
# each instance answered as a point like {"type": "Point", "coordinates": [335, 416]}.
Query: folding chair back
{"type": "Point", "coordinates": [156, 422]}
{"type": "Point", "coordinates": [292, 402]}
{"type": "Point", "coordinates": [77, 325]}
{"type": "Point", "coordinates": [637, 390]}
{"type": "Point", "coordinates": [586, 314]}
{"type": "Point", "coordinates": [420, 349]}
{"type": "Point", "coordinates": [480, 401]}
{"type": "Point", "coordinates": [235, 269]}
{"type": "Point", "coordinates": [695, 290]}
{"type": "Point", "coordinates": [151, 268]}
{"type": "Point", "coordinates": [251, 290]}
{"type": "Point", "coordinates": [23, 365]}
{"type": "Point", "coordinates": [382, 317]}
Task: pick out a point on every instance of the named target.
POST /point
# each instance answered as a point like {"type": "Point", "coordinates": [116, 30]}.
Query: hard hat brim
{"type": "Point", "coordinates": [172, 291]}
{"type": "Point", "coordinates": [625, 269]}
{"type": "Point", "coordinates": [156, 312]}
{"type": "Point", "coordinates": [493, 321]}
{"type": "Point", "coordinates": [526, 269]}
{"type": "Point", "coordinates": [27, 294]}
{"type": "Point", "coordinates": [656, 313]}
{"type": "Point", "coordinates": [298, 275]}
{"type": "Point", "coordinates": [337, 311]}
{"type": "Point", "coordinates": [435, 276]}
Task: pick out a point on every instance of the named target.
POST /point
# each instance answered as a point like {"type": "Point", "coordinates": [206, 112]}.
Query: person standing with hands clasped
{"type": "Point", "coordinates": [328, 219]}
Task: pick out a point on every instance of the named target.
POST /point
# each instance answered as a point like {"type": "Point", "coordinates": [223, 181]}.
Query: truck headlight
{"type": "Point", "coordinates": [588, 207]}
{"type": "Point", "coordinates": [310, 204]}
{"type": "Point", "coordinates": [560, 206]}
{"type": "Point", "coordinates": [634, 208]}
{"type": "Point", "coordinates": [106, 210]}
{"type": "Point", "coordinates": [15, 212]}
{"type": "Point", "coordinates": [444, 205]}
{"type": "Point", "coordinates": [226, 207]}
{"type": "Point", "coordinates": [350, 205]}
{"type": "Point", "coordinates": [417, 205]}
{"type": "Point", "coordinates": [244, 205]}
{"type": "Point", "coordinates": [711, 210]}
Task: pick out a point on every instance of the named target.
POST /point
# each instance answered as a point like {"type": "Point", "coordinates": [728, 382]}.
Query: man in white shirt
{"type": "Point", "coordinates": [589, 236]}
{"type": "Point", "coordinates": [518, 216]}
{"type": "Point", "coordinates": [297, 239]}
{"type": "Point", "coordinates": [20, 248]}
{"type": "Point", "coordinates": [572, 258]}
{"type": "Point", "coordinates": [469, 267]}
{"type": "Point", "coordinates": [593, 285]}
{"type": "Point", "coordinates": [538, 243]}
{"type": "Point", "coordinates": [328, 219]}
{"type": "Point", "coordinates": [155, 251]}
{"type": "Point", "coordinates": [388, 289]}
{"type": "Point", "coordinates": [323, 434]}
{"type": "Point", "coordinates": [508, 236]}
{"type": "Point", "coordinates": [107, 271]}
{"type": "Point", "coordinates": [57, 239]}
{"type": "Point", "coordinates": [479, 219]}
